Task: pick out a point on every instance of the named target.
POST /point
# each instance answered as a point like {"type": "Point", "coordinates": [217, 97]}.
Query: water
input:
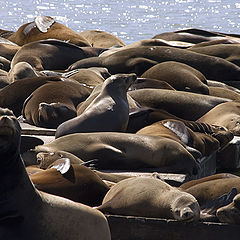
{"type": "Point", "coordinates": [130, 20]}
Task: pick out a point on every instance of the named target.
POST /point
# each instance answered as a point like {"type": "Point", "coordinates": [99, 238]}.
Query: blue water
{"type": "Point", "coordinates": [130, 20]}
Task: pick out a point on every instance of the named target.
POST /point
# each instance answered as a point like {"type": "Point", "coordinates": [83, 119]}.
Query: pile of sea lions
{"type": "Point", "coordinates": [157, 105]}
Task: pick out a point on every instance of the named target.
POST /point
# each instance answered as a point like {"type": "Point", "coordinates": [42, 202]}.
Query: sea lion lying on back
{"type": "Point", "coordinates": [27, 213]}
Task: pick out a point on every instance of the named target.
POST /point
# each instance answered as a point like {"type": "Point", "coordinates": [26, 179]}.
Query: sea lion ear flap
{"type": "Point", "coordinates": [140, 65]}
{"type": "Point", "coordinates": [62, 165]}
{"type": "Point", "coordinates": [43, 23]}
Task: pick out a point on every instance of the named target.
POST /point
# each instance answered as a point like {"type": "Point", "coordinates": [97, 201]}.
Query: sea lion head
{"type": "Point", "coordinates": [123, 81]}
{"type": "Point", "coordinates": [231, 212]}
{"type": "Point", "coordinates": [53, 114]}
{"type": "Point", "coordinates": [185, 208]}
{"type": "Point", "coordinates": [10, 133]}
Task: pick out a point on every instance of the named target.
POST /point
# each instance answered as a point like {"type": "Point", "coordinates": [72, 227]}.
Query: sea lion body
{"type": "Point", "coordinates": [150, 197]}
{"type": "Point", "coordinates": [29, 214]}
{"type": "Point", "coordinates": [111, 104]}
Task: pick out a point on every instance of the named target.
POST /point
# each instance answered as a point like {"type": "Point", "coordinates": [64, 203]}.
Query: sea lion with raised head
{"type": "Point", "coordinates": [108, 112]}
{"type": "Point", "coordinates": [27, 213]}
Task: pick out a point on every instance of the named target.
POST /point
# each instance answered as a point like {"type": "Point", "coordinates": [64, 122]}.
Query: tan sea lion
{"type": "Point", "coordinates": [150, 197]}
{"type": "Point", "coordinates": [175, 102]}
{"type": "Point", "coordinates": [50, 105]}
{"type": "Point", "coordinates": [230, 213]}
{"type": "Point", "coordinates": [179, 75]}
{"type": "Point", "coordinates": [72, 181]}
{"type": "Point", "coordinates": [209, 190]}
{"type": "Point", "coordinates": [45, 27]}
{"type": "Point", "coordinates": [8, 50]}
{"type": "Point", "coordinates": [224, 93]}
{"type": "Point", "coordinates": [138, 60]}
{"type": "Point", "coordinates": [109, 111]}
{"type": "Point", "coordinates": [51, 54]}
{"type": "Point", "coordinates": [14, 95]}
{"type": "Point", "coordinates": [226, 115]}
{"type": "Point", "coordinates": [122, 151]}
{"type": "Point", "coordinates": [27, 213]}
{"type": "Point", "coordinates": [101, 39]}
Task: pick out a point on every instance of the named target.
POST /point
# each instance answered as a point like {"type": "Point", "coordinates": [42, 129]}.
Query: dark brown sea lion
{"type": "Point", "coordinates": [53, 103]}
{"type": "Point", "coordinates": [50, 54]}
{"type": "Point", "coordinates": [14, 95]}
{"type": "Point", "coordinates": [101, 39]}
{"type": "Point", "coordinates": [179, 75]}
{"type": "Point", "coordinates": [226, 115]}
{"type": "Point", "coordinates": [45, 27]}
{"type": "Point", "coordinates": [191, 35]}
{"type": "Point", "coordinates": [138, 60]}
{"type": "Point", "coordinates": [77, 183]}
{"type": "Point", "coordinates": [123, 151]}
{"type": "Point", "coordinates": [150, 197]}
{"type": "Point", "coordinates": [175, 102]}
{"type": "Point", "coordinates": [229, 52]}
{"type": "Point", "coordinates": [4, 81]}
{"type": "Point", "coordinates": [108, 112]}
{"type": "Point", "coordinates": [27, 213]}
{"type": "Point", "coordinates": [4, 64]}
{"type": "Point", "coordinates": [231, 212]}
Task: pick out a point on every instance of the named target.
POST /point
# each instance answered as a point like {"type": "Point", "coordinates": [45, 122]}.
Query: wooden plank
{"type": "Point", "coordinates": [139, 228]}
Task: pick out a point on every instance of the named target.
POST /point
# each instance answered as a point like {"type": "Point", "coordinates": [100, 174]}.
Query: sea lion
{"type": "Point", "coordinates": [45, 27]}
{"type": "Point", "coordinates": [47, 158]}
{"type": "Point", "coordinates": [27, 213]}
{"type": "Point", "coordinates": [101, 39]}
{"type": "Point", "coordinates": [22, 70]}
{"type": "Point", "coordinates": [194, 182]}
{"type": "Point", "coordinates": [209, 190]}
{"type": "Point", "coordinates": [50, 105]}
{"type": "Point", "coordinates": [77, 182]}
{"type": "Point", "coordinates": [229, 52]}
{"type": "Point", "coordinates": [122, 151]}
{"type": "Point", "coordinates": [150, 197]}
{"type": "Point", "coordinates": [111, 104]}
{"type": "Point", "coordinates": [191, 35]}
{"type": "Point", "coordinates": [50, 54]}
{"type": "Point", "coordinates": [226, 115]}
{"type": "Point", "coordinates": [175, 102]}
{"type": "Point", "coordinates": [224, 93]}
{"type": "Point", "coordinates": [14, 95]}
{"type": "Point", "coordinates": [139, 60]}
{"type": "Point", "coordinates": [4, 81]}
{"type": "Point", "coordinates": [180, 76]}
{"type": "Point", "coordinates": [4, 64]}
{"type": "Point", "coordinates": [231, 212]}
{"type": "Point", "coordinates": [8, 50]}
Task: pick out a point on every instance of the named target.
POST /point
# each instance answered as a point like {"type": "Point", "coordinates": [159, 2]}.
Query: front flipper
{"type": "Point", "coordinates": [43, 23]}
{"type": "Point", "coordinates": [62, 165]}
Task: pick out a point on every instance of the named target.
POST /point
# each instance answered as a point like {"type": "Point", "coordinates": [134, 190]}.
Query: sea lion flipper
{"type": "Point", "coordinates": [62, 165]}
{"type": "Point", "coordinates": [43, 23]}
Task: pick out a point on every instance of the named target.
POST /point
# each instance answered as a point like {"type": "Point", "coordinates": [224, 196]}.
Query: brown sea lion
{"type": "Point", "coordinates": [50, 105]}
{"type": "Point", "coordinates": [138, 60]}
{"type": "Point", "coordinates": [8, 50]}
{"type": "Point", "coordinates": [150, 197]}
{"type": "Point", "coordinates": [45, 159]}
{"type": "Point", "coordinates": [179, 75]}
{"type": "Point", "coordinates": [22, 70]}
{"type": "Point", "coordinates": [122, 151]}
{"type": "Point", "coordinates": [209, 190]}
{"type": "Point", "coordinates": [229, 52]}
{"type": "Point", "coordinates": [45, 27]}
{"type": "Point", "coordinates": [175, 102]}
{"type": "Point", "coordinates": [101, 39]}
{"type": "Point", "coordinates": [4, 64]}
{"type": "Point", "coordinates": [226, 115]}
{"type": "Point", "coordinates": [27, 213]}
{"type": "Point", "coordinates": [231, 212]}
{"type": "Point", "coordinates": [191, 35]}
{"type": "Point", "coordinates": [4, 81]}
{"type": "Point", "coordinates": [75, 182]}
{"type": "Point", "coordinates": [224, 93]}
{"type": "Point", "coordinates": [50, 54]}
{"type": "Point", "coordinates": [14, 95]}
{"type": "Point", "coordinates": [192, 183]}
{"type": "Point", "coordinates": [109, 111]}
